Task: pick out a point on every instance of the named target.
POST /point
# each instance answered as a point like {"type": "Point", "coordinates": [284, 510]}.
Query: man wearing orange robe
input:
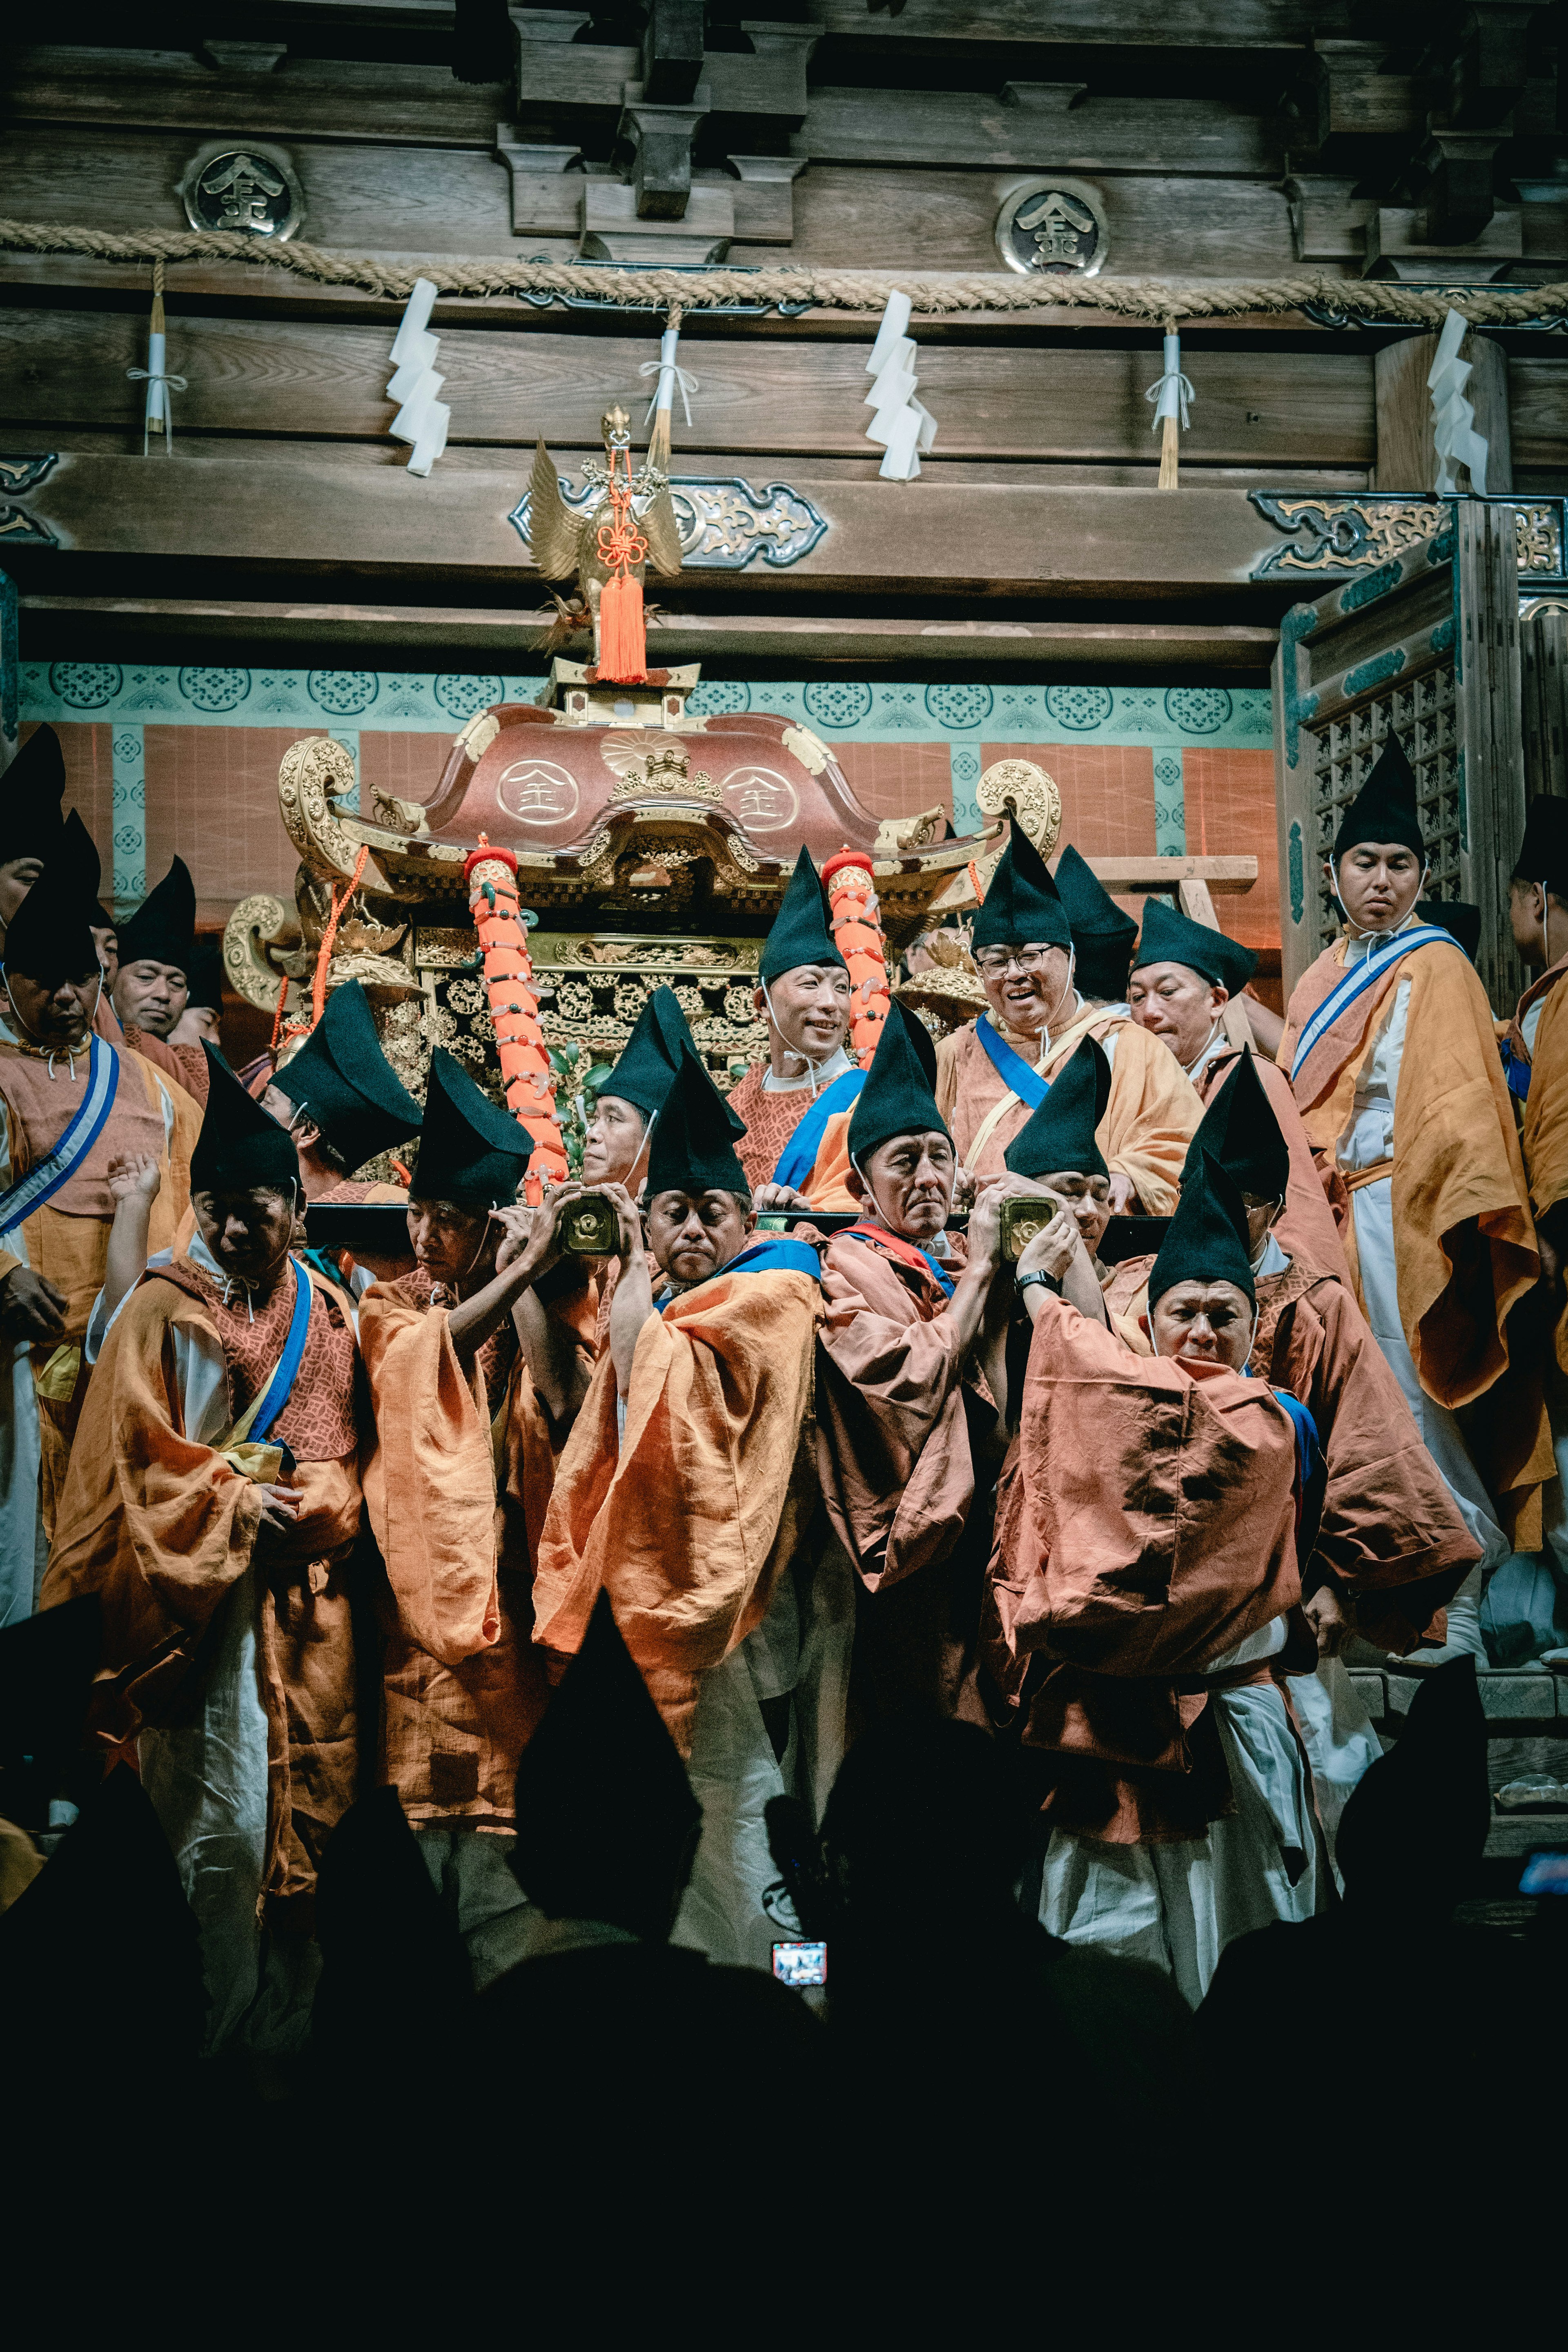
{"type": "Point", "coordinates": [472, 1389]}
{"type": "Point", "coordinates": [687, 1491]}
{"type": "Point", "coordinates": [1382, 1545]}
{"type": "Point", "coordinates": [907, 1447]}
{"type": "Point", "coordinates": [212, 1503]}
{"type": "Point", "coordinates": [1527, 1607]}
{"type": "Point", "coordinates": [1146, 1573]}
{"type": "Point", "coordinates": [794, 1108]}
{"type": "Point", "coordinates": [995, 1070]}
{"type": "Point", "coordinates": [1391, 1056]}
{"type": "Point", "coordinates": [71, 1105]}
{"type": "Point", "coordinates": [155, 953]}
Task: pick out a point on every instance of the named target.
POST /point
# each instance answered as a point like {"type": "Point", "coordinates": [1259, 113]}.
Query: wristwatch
{"type": "Point", "coordinates": [1046, 1281]}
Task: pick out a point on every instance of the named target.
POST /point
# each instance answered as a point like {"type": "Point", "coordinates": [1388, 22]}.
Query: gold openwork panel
{"type": "Point", "coordinates": [592, 986]}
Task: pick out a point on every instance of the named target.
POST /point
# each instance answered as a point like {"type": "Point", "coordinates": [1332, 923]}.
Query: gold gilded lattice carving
{"type": "Point", "coordinates": [1422, 716]}
{"type": "Point", "coordinates": [1334, 536]}
{"type": "Point", "coordinates": [591, 990]}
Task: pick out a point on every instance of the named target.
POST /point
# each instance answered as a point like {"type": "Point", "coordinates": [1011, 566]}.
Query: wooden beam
{"type": "Point", "coordinates": [1161, 24]}
{"type": "Point", "coordinates": [67, 369]}
{"type": "Point", "coordinates": [1098, 134]}
{"type": "Point", "coordinates": [1229, 876]}
{"type": "Point", "coordinates": [363, 509]}
{"type": "Point", "coordinates": [56, 626]}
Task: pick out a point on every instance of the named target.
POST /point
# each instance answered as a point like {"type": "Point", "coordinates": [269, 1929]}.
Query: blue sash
{"type": "Point", "coordinates": [1021, 1081]}
{"type": "Point", "coordinates": [41, 1184]}
{"type": "Point", "coordinates": [771, 1253]}
{"type": "Point", "coordinates": [1516, 1072]}
{"type": "Point", "coordinates": [798, 1157]}
{"type": "Point", "coordinates": [1365, 975]}
{"type": "Point", "coordinates": [1306, 1448]}
{"type": "Point", "coordinates": [776, 1253]}
{"type": "Point", "coordinates": [276, 1392]}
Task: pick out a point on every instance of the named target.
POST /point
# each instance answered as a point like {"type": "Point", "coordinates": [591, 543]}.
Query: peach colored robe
{"type": "Point", "coordinates": [690, 1516]}
{"type": "Point", "coordinates": [456, 1485]}
{"type": "Point", "coordinates": [1151, 1117]}
{"type": "Point", "coordinates": [770, 1119]}
{"type": "Point", "coordinates": [1148, 1526]}
{"type": "Point", "coordinates": [162, 1528]}
{"type": "Point", "coordinates": [898, 1478]}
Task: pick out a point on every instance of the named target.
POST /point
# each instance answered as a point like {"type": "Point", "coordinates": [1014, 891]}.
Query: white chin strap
{"type": "Point", "coordinates": [1361, 929]}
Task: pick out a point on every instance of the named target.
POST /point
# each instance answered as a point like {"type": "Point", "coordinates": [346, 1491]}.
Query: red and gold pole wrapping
{"type": "Point", "coordinates": [858, 935]}
{"type": "Point", "coordinates": [491, 877]}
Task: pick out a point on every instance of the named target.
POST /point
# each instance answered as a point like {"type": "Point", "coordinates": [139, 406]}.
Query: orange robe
{"type": "Point", "coordinates": [898, 1478]}
{"type": "Point", "coordinates": [1147, 1530]}
{"type": "Point", "coordinates": [1306, 1227]}
{"type": "Point", "coordinates": [690, 1516]}
{"type": "Point", "coordinates": [162, 1524]}
{"type": "Point", "coordinates": [1545, 1128]}
{"type": "Point", "coordinates": [770, 1119]}
{"type": "Point", "coordinates": [66, 1240]}
{"type": "Point", "coordinates": [1151, 1117]}
{"type": "Point", "coordinates": [1387, 1528]}
{"type": "Point", "coordinates": [1464, 1239]}
{"type": "Point", "coordinates": [456, 1488]}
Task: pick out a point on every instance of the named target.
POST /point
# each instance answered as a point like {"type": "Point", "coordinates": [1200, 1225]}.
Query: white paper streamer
{"type": "Point", "coordinates": [422, 419]}
{"type": "Point", "coordinates": [904, 428]}
{"type": "Point", "coordinates": [1454, 431]}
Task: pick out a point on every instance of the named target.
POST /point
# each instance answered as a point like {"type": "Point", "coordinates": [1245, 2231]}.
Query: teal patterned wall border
{"type": "Point", "coordinates": [1168, 720]}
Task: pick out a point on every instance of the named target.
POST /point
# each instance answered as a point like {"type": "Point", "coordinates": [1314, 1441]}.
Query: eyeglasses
{"type": "Point", "coordinates": [994, 963]}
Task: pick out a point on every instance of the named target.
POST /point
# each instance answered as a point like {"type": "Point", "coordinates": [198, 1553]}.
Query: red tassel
{"type": "Point", "coordinates": [623, 644]}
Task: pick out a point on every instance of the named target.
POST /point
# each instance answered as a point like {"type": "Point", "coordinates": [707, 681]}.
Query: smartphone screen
{"type": "Point", "coordinates": [801, 1964]}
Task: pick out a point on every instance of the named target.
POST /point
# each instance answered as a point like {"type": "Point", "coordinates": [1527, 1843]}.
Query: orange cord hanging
{"type": "Point", "coordinates": [282, 1032]}
{"type": "Point", "coordinates": [858, 935]}
{"type": "Point", "coordinates": [623, 640]}
{"type": "Point", "coordinates": [491, 877]}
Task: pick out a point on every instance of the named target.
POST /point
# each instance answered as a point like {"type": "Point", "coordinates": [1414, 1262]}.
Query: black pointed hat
{"type": "Point", "coordinates": [470, 1151]}
{"type": "Point", "coordinates": [1169, 937]}
{"type": "Point", "coordinates": [1240, 1132]}
{"type": "Point", "coordinates": [1057, 1136]}
{"type": "Point", "coordinates": [164, 928]}
{"type": "Point", "coordinates": [1206, 1240]}
{"type": "Point", "coordinates": [802, 931]}
{"type": "Point", "coordinates": [651, 1055]}
{"type": "Point", "coordinates": [30, 794]}
{"type": "Point", "coordinates": [693, 1147]}
{"type": "Point", "coordinates": [606, 1820]}
{"type": "Point", "coordinates": [49, 936]}
{"type": "Point", "coordinates": [1385, 809]}
{"type": "Point", "coordinates": [1460, 917]}
{"type": "Point", "coordinates": [1102, 935]}
{"type": "Point", "coordinates": [1543, 851]}
{"type": "Point", "coordinates": [203, 982]}
{"type": "Point", "coordinates": [240, 1145]}
{"type": "Point", "coordinates": [341, 1078]}
{"type": "Point", "coordinates": [1022, 901]}
{"type": "Point", "coordinates": [77, 852]}
{"type": "Point", "coordinates": [1416, 1827]}
{"type": "Point", "coordinates": [899, 1096]}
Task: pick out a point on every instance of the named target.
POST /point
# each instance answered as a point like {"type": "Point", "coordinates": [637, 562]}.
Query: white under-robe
{"type": "Point", "coordinates": [1178, 1904]}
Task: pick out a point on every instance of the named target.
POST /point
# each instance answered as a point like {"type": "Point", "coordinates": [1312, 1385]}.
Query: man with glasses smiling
{"type": "Point", "coordinates": [995, 1070]}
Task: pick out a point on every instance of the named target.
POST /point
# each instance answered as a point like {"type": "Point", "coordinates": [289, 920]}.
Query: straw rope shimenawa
{"type": "Point", "coordinates": [1157, 301]}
